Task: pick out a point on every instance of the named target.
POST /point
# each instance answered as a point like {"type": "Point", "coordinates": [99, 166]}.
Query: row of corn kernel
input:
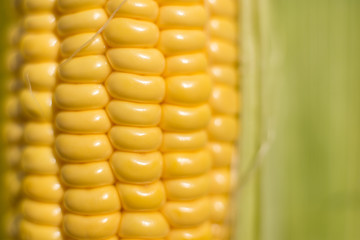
{"type": "Point", "coordinates": [40, 206]}
{"type": "Point", "coordinates": [224, 99]}
{"type": "Point", "coordinates": [185, 115]}
{"type": "Point", "coordinates": [14, 135]}
{"type": "Point", "coordinates": [137, 89]}
{"type": "Point", "coordinates": [91, 202]}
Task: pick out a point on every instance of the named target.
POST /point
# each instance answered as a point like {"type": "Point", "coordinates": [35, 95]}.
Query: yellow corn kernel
{"type": "Point", "coordinates": [188, 89]}
{"type": "Point", "coordinates": [39, 47]}
{"type": "Point", "coordinates": [45, 188]}
{"type": "Point", "coordinates": [73, 43]}
{"type": "Point", "coordinates": [91, 227]}
{"type": "Point", "coordinates": [13, 132]}
{"type": "Point", "coordinates": [13, 155]}
{"type": "Point", "coordinates": [223, 28]}
{"type": "Point", "coordinates": [136, 88]}
{"type": "Point", "coordinates": [36, 105]}
{"type": "Point", "coordinates": [143, 225]}
{"type": "Point", "coordinates": [127, 32]}
{"type": "Point", "coordinates": [186, 164]}
{"type": "Point", "coordinates": [87, 174]}
{"type": "Point", "coordinates": [40, 22]}
{"type": "Point", "coordinates": [182, 17]}
{"type": "Point", "coordinates": [13, 107]}
{"type": "Point", "coordinates": [72, 6]}
{"type": "Point", "coordinates": [81, 22]}
{"type": "Point", "coordinates": [38, 5]}
{"type": "Point", "coordinates": [225, 8]}
{"type": "Point", "coordinates": [39, 160]}
{"type": "Point", "coordinates": [174, 42]}
{"type": "Point", "coordinates": [41, 213]}
{"type": "Point", "coordinates": [222, 153]}
{"type": "Point", "coordinates": [83, 148]}
{"type": "Point", "coordinates": [202, 232]}
{"type": "Point", "coordinates": [135, 139]}
{"type": "Point", "coordinates": [33, 231]}
{"type": "Point", "coordinates": [138, 9]}
{"type": "Point", "coordinates": [96, 71]}
{"type": "Point", "coordinates": [80, 96]}
{"type": "Point", "coordinates": [134, 114]}
{"type": "Point", "coordinates": [220, 181]}
{"type": "Point", "coordinates": [178, 118]}
{"type": "Point", "coordinates": [38, 133]}
{"type": "Point", "coordinates": [149, 197]}
{"type": "Point", "coordinates": [93, 121]}
{"type": "Point", "coordinates": [223, 128]}
{"type": "Point", "coordinates": [137, 60]}
{"type": "Point", "coordinates": [220, 231]}
{"type": "Point", "coordinates": [186, 64]}
{"type": "Point", "coordinates": [224, 100]}
{"type": "Point", "coordinates": [183, 141]}
{"type": "Point", "coordinates": [219, 207]}
{"type": "Point", "coordinates": [187, 188]}
{"type": "Point", "coordinates": [93, 201]}
{"type": "Point", "coordinates": [127, 166]}
{"type": "Point", "coordinates": [41, 76]}
{"type": "Point", "coordinates": [187, 214]}
{"type": "Point", "coordinates": [222, 52]}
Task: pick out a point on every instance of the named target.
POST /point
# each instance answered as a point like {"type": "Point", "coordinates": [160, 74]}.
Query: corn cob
{"type": "Point", "coordinates": [115, 141]}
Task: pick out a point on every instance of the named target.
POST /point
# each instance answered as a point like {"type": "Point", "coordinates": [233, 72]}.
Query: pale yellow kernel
{"type": "Point", "coordinates": [39, 47]}
{"type": "Point", "coordinates": [224, 74]}
{"type": "Point", "coordinates": [182, 17]}
{"type": "Point", "coordinates": [149, 197]}
{"type": "Point", "coordinates": [224, 99]}
{"type": "Point", "coordinates": [143, 225]}
{"type": "Point", "coordinates": [96, 70]}
{"type": "Point", "coordinates": [178, 2]}
{"type": "Point", "coordinates": [137, 60]}
{"type": "Point", "coordinates": [225, 8]}
{"type": "Point", "coordinates": [127, 32]}
{"type": "Point", "coordinates": [187, 188]}
{"type": "Point", "coordinates": [219, 208]}
{"type": "Point", "coordinates": [80, 22]}
{"type": "Point", "coordinates": [94, 201]}
{"type": "Point", "coordinates": [222, 153]}
{"type": "Point", "coordinates": [13, 155]}
{"type": "Point", "coordinates": [40, 22]}
{"type": "Point", "coordinates": [74, 6]}
{"type": "Point", "coordinates": [39, 160]}
{"type": "Point", "coordinates": [223, 28]}
{"type": "Point", "coordinates": [14, 85]}
{"type": "Point", "coordinates": [222, 52]}
{"type": "Point", "coordinates": [91, 121]}
{"type": "Point", "coordinates": [87, 175]}
{"type": "Point", "coordinates": [220, 231]}
{"type": "Point", "coordinates": [13, 180]}
{"type": "Point", "coordinates": [80, 96]}
{"type": "Point", "coordinates": [186, 164]}
{"type": "Point", "coordinates": [223, 128]}
{"type": "Point", "coordinates": [179, 118]}
{"type": "Point", "coordinates": [13, 132]}
{"type": "Point", "coordinates": [12, 107]}
{"type": "Point", "coordinates": [188, 90]}
{"type": "Point", "coordinates": [41, 213]}
{"type": "Point", "coordinates": [202, 232]}
{"type": "Point", "coordinates": [186, 64]}
{"type": "Point", "coordinates": [136, 139]}
{"type": "Point", "coordinates": [187, 213]}
{"type": "Point", "coordinates": [36, 105]}
{"type": "Point", "coordinates": [183, 141]}
{"type": "Point", "coordinates": [71, 44]}
{"type": "Point", "coordinates": [91, 227]}
{"type": "Point", "coordinates": [33, 231]}
{"type": "Point", "coordinates": [220, 179]}
{"type": "Point", "coordinates": [38, 5]}
{"type": "Point", "coordinates": [41, 76]}
{"type": "Point", "coordinates": [173, 42]}
{"type": "Point", "coordinates": [134, 114]}
{"type": "Point", "coordinates": [83, 148]}
{"type": "Point", "coordinates": [138, 9]}
{"type": "Point", "coordinates": [136, 88]}
{"type": "Point", "coordinates": [127, 166]}
{"type": "Point", "coordinates": [43, 188]}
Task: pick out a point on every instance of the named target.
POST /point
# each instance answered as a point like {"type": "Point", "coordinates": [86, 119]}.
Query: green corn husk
{"type": "Point", "coordinates": [301, 121]}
